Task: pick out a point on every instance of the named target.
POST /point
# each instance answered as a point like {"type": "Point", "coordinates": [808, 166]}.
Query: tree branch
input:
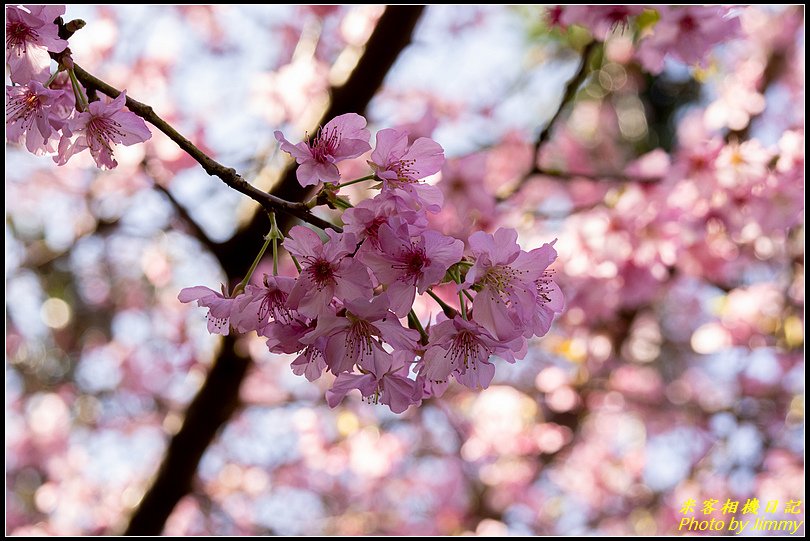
{"type": "Point", "coordinates": [596, 177]}
{"type": "Point", "coordinates": [568, 95]}
{"type": "Point", "coordinates": [228, 175]}
{"type": "Point", "coordinates": [211, 408]}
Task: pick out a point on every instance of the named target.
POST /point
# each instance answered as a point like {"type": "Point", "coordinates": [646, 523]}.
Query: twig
{"type": "Point", "coordinates": [228, 175]}
{"type": "Point", "coordinates": [570, 91]}
{"type": "Point", "coordinates": [182, 212]}
{"type": "Point", "coordinates": [596, 177]}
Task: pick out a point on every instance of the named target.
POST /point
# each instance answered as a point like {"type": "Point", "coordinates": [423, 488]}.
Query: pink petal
{"type": "Point", "coordinates": [300, 152]}
{"type": "Point", "coordinates": [391, 146]}
{"type": "Point", "coordinates": [303, 242]}
{"type": "Point", "coordinates": [479, 376]}
{"type": "Point", "coordinates": [429, 156]}
{"type": "Point", "coordinates": [493, 315]}
{"type": "Point", "coordinates": [347, 382]}
{"type": "Point", "coordinates": [189, 294]}
{"type": "Point", "coordinates": [398, 393]}
{"type": "Point", "coordinates": [402, 296]}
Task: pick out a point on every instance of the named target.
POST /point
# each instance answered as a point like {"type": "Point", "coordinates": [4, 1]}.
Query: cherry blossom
{"type": "Point", "coordinates": [505, 276]}
{"type": "Point", "coordinates": [600, 20]}
{"type": "Point", "coordinates": [400, 165]}
{"type": "Point", "coordinates": [99, 128]}
{"type": "Point", "coordinates": [342, 138]}
{"type": "Point", "coordinates": [385, 381]}
{"type": "Point", "coordinates": [220, 306]}
{"type": "Point", "coordinates": [353, 338]}
{"type": "Point", "coordinates": [326, 270]}
{"type": "Point", "coordinates": [407, 266]}
{"type": "Point", "coordinates": [686, 33]}
{"type": "Point", "coordinates": [32, 116]}
{"type": "Point", "coordinates": [30, 35]}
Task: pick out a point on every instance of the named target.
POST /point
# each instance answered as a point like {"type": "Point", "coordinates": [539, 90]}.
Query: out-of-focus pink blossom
{"type": "Point", "coordinates": [469, 202]}
{"type": "Point", "coordinates": [30, 34]}
{"type": "Point", "coordinates": [325, 270]}
{"type": "Point", "coordinates": [344, 137]}
{"type": "Point", "coordinates": [686, 33]}
{"type": "Point", "coordinates": [600, 20]}
{"type": "Point", "coordinates": [219, 306]}
{"type": "Point", "coordinates": [32, 116]}
{"type": "Point", "coordinates": [99, 128]}
{"type": "Point", "coordinates": [741, 165]}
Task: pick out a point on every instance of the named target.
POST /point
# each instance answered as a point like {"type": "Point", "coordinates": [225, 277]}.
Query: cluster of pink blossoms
{"type": "Point", "coordinates": [49, 114]}
{"type": "Point", "coordinates": [684, 33]}
{"type": "Point", "coordinates": [343, 312]}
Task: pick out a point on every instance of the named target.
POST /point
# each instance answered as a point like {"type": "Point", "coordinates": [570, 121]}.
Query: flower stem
{"type": "Point", "coordinates": [462, 304]}
{"type": "Point", "coordinates": [297, 264]}
{"type": "Point", "coordinates": [239, 288]}
{"type": "Point", "coordinates": [449, 311]}
{"type": "Point", "coordinates": [275, 234]}
{"type": "Point", "coordinates": [414, 323]}
{"type": "Point", "coordinates": [51, 78]}
{"type": "Point", "coordinates": [78, 91]}
{"type": "Point", "coordinates": [355, 181]}
{"type": "Point", "coordinates": [339, 202]}
{"type": "Point", "coordinates": [275, 256]}
{"type": "Point", "coordinates": [467, 293]}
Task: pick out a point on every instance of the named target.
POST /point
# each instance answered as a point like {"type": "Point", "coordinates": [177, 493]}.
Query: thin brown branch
{"type": "Point", "coordinates": [568, 95]}
{"type": "Point", "coordinates": [228, 175]}
{"type": "Point", "coordinates": [596, 177]}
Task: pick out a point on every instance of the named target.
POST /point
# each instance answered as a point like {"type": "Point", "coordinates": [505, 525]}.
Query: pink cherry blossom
{"type": "Point", "coordinates": [470, 203]}
{"type": "Point", "coordinates": [32, 116]}
{"type": "Point", "coordinates": [258, 305]}
{"type": "Point", "coordinates": [326, 272]}
{"type": "Point", "coordinates": [30, 34]}
{"type": "Point", "coordinates": [600, 20]}
{"type": "Point", "coordinates": [355, 338]}
{"type": "Point", "coordinates": [365, 218]}
{"type": "Point", "coordinates": [401, 166]}
{"type": "Point", "coordinates": [344, 137]}
{"type": "Point", "coordinates": [103, 125]}
{"type": "Point", "coordinates": [311, 363]}
{"type": "Point", "coordinates": [549, 300]}
{"type": "Point", "coordinates": [286, 337]}
{"type": "Point", "coordinates": [686, 33]}
{"type": "Point", "coordinates": [219, 306]}
{"type": "Point", "coordinates": [407, 265]}
{"type": "Point", "coordinates": [458, 346]}
{"type": "Point", "coordinates": [385, 381]}
{"type": "Point", "coordinates": [505, 278]}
